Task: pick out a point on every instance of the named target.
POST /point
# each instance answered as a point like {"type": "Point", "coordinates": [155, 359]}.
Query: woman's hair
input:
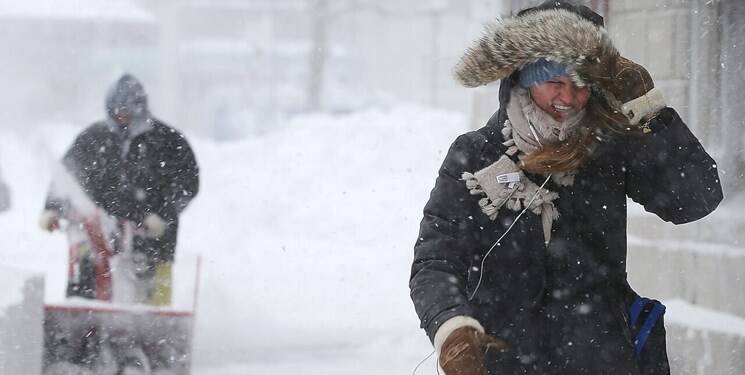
{"type": "Point", "coordinates": [600, 120]}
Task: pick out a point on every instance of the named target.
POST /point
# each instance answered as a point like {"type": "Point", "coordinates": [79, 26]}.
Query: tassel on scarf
{"type": "Point", "coordinates": [515, 195]}
{"type": "Point", "coordinates": [548, 215]}
{"type": "Point", "coordinates": [472, 183]}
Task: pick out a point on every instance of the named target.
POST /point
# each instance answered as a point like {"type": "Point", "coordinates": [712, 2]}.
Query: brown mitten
{"type": "Point", "coordinates": [49, 220]}
{"type": "Point", "coordinates": [627, 85]}
{"type": "Point", "coordinates": [625, 79]}
{"type": "Point", "coordinates": [463, 351]}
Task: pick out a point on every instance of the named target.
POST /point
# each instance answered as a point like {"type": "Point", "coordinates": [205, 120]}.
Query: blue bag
{"type": "Point", "coordinates": [644, 313]}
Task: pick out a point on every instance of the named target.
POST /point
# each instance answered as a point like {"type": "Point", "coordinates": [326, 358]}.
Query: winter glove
{"type": "Point", "coordinates": [463, 351]}
{"type": "Point", "coordinates": [154, 226]}
{"type": "Point", "coordinates": [49, 220]}
{"type": "Point", "coordinates": [628, 87]}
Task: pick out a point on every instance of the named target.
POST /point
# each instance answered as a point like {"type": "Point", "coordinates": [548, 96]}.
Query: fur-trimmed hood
{"type": "Point", "coordinates": [556, 34]}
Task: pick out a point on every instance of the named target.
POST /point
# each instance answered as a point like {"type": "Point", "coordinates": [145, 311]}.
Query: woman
{"type": "Point", "coordinates": [520, 262]}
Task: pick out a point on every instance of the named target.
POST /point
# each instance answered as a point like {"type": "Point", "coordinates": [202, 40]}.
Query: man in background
{"type": "Point", "coordinates": [136, 171]}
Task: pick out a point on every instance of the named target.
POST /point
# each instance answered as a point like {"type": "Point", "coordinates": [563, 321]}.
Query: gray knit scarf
{"type": "Point", "coordinates": [522, 113]}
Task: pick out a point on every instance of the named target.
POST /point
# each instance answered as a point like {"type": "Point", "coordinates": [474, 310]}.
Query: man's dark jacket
{"type": "Point", "coordinates": [132, 172]}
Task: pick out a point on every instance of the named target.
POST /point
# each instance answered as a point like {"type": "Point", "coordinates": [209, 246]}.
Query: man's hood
{"type": "Point", "coordinates": [127, 94]}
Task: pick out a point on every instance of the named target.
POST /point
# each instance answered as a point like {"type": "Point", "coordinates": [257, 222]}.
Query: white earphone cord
{"type": "Point", "coordinates": [483, 260]}
{"type": "Point", "coordinates": [481, 270]}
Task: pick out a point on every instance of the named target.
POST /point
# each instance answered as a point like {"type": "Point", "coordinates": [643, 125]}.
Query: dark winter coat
{"type": "Point", "coordinates": [131, 173]}
{"type": "Point", "coordinates": [563, 308]}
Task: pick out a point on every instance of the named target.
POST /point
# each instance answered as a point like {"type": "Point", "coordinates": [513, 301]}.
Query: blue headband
{"type": "Point", "coordinates": [540, 71]}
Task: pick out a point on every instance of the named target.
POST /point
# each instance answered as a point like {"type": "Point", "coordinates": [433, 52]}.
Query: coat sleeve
{"type": "Point", "coordinates": [180, 177]}
{"type": "Point", "coordinates": [670, 173]}
{"type": "Point", "coordinates": [93, 161]}
{"type": "Point", "coordinates": [439, 272]}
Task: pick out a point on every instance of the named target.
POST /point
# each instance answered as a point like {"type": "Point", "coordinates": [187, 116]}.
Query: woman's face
{"type": "Point", "coordinates": [560, 97]}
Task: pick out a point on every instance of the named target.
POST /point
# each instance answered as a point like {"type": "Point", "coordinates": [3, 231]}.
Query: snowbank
{"type": "Point", "coordinates": [307, 233]}
{"type": "Point", "coordinates": [704, 341]}
{"type": "Point", "coordinates": [685, 314]}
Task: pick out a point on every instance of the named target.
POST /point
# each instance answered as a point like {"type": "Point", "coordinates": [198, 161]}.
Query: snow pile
{"type": "Point", "coordinates": [691, 316]}
{"type": "Point", "coordinates": [698, 247]}
{"type": "Point", "coordinates": [307, 233]}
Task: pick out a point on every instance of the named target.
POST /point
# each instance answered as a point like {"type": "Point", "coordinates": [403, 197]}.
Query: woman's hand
{"type": "Point", "coordinates": [625, 79]}
{"type": "Point", "coordinates": [627, 86]}
{"type": "Point", "coordinates": [463, 351]}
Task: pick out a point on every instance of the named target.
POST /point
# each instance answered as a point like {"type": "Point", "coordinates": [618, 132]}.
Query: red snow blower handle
{"type": "Point", "coordinates": [103, 257]}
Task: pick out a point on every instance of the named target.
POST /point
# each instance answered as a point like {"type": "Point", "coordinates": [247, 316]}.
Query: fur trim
{"type": "Point", "coordinates": [643, 106]}
{"type": "Point", "coordinates": [451, 325]}
{"type": "Point", "coordinates": [509, 44]}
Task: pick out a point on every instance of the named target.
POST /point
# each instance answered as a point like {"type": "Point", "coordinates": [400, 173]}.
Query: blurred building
{"type": "Point", "coordinates": [693, 50]}
{"type": "Point", "coordinates": [59, 55]}
{"type": "Point", "coordinates": [227, 68]}
{"type": "Point", "coordinates": [248, 64]}
{"type": "Point", "coordinates": [231, 67]}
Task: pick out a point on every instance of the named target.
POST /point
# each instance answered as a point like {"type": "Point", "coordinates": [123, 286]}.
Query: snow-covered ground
{"type": "Point", "coordinates": [306, 236]}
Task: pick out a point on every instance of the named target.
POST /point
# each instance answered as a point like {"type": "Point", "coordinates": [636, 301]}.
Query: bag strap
{"type": "Point", "coordinates": [658, 309]}
{"type": "Point", "coordinates": [636, 309]}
